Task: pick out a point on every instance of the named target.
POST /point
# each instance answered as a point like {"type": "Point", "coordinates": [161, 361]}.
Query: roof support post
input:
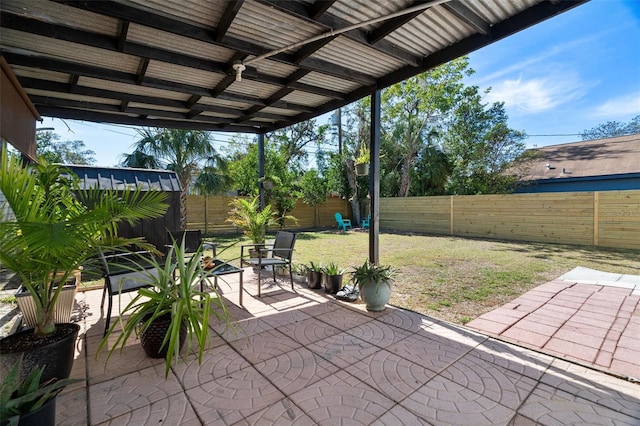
{"type": "Point", "coordinates": [261, 170]}
{"type": "Point", "coordinates": [374, 179]}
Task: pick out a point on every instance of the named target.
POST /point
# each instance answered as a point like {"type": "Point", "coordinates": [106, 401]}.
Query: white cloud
{"type": "Point", "coordinates": [539, 94]}
{"type": "Point", "coordinates": [625, 105]}
{"type": "Point", "coordinates": [539, 59]}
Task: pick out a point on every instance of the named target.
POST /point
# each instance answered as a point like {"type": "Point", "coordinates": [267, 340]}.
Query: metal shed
{"type": "Point", "coordinates": [154, 231]}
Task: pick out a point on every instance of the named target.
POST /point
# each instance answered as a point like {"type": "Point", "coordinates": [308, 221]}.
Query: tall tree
{"type": "Point", "coordinates": [185, 152]}
{"type": "Point", "coordinates": [50, 147]}
{"type": "Point", "coordinates": [416, 107]}
{"type": "Point", "coordinates": [279, 180]}
{"type": "Point", "coordinates": [480, 146]}
{"type": "Point", "coordinates": [611, 129]}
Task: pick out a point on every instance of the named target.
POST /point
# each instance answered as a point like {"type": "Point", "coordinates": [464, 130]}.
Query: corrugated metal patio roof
{"type": "Point", "coordinates": [170, 63]}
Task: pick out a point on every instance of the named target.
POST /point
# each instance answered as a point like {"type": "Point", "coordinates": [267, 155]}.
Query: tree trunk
{"type": "Point", "coordinates": [405, 179]}
{"type": "Point", "coordinates": [183, 210]}
{"type": "Point", "coordinates": [353, 185]}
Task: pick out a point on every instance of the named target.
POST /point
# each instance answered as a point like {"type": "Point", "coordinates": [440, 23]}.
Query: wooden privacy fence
{"type": "Point", "coordinates": [606, 219]}
{"type": "Point", "coordinates": [209, 214]}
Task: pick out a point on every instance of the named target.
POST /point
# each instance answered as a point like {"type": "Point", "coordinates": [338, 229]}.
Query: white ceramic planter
{"type": "Point", "coordinates": [376, 296]}
{"type": "Point", "coordinates": [63, 308]}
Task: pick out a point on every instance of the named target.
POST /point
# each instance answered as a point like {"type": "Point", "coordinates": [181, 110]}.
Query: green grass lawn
{"type": "Point", "coordinates": [451, 278]}
{"type": "Point", "coordinates": [455, 279]}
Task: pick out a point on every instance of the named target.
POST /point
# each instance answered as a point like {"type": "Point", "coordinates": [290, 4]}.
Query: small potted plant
{"type": "Point", "coordinates": [299, 272]}
{"type": "Point", "coordinates": [374, 283]}
{"type": "Point", "coordinates": [332, 277]}
{"type": "Point", "coordinates": [28, 401]}
{"type": "Point", "coordinates": [172, 308]}
{"type": "Point", "coordinates": [314, 275]}
{"type": "Point", "coordinates": [362, 161]}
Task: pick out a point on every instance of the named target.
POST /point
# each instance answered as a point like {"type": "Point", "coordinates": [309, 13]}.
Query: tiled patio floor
{"type": "Point", "coordinates": [587, 316]}
{"type": "Point", "coordinates": [300, 357]}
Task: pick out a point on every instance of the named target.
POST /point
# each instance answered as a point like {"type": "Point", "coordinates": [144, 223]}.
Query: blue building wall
{"type": "Point", "coordinates": [581, 184]}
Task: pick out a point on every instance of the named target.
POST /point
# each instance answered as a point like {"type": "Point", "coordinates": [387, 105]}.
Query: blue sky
{"type": "Point", "coordinates": [565, 75]}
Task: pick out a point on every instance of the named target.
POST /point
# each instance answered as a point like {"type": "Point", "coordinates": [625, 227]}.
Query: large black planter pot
{"type": "Point", "coordinates": [43, 416]}
{"type": "Point", "coordinates": [56, 352]}
{"type": "Point", "coordinates": [151, 338]}
{"type": "Point", "coordinates": [332, 283]}
{"type": "Point", "coordinates": [314, 279]}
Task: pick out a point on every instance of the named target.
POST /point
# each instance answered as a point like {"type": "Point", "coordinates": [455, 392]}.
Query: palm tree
{"type": "Point", "coordinates": [187, 152]}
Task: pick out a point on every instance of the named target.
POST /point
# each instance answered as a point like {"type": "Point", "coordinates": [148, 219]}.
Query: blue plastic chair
{"type": "Point", "coordinates": [365, 222]}
{"type": "Point", "coordinates": [343, 224]}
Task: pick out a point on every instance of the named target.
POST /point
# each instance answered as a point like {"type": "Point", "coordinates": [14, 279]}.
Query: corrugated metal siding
{"type": "Point", "coordinates": [58, 77]}
{"type": "Point", "coordinates": [59, 14]}
{"type": "Point", "coordinates": [203, 13]}
{"type": "Point", "coordinates": [252, 88]}
{"type": "Point", "coordinates": [182, 74]}
{"type": "Point", "coordinates": [218, 115]}
{"type": "Point", "coordinates": [224, 103]}
{"type": "Point", "coordinates": [415, 40]}
{"type": "Point", "coordinates": [166, 40]}
{"type": "Point", "coordinates": [349, 54]}
{"type": "Point", "coordinates": [324, 80]}
{"type": "Point", "coordinates": [121, 178]}
{"type": "Point", "coordinates": [280, 111]}
{"type": "Point", "coordinates": [267, 26]}
{"type": "Point", "coordinates": [13, 40]}
{"type": "Point", "coordinates": [356, 11]}
{"type": "Point", "coordinates": [133, 89]}
{"type": "Point", "coordinates": [494, 11]}
{"type": "Point", "coordinates": [273, 68]}
{"type": "Point", "coordinates": [305, 98]}
{"type": "Point", "coordinates": [73, 97]}
{"type": "Point", "coordinates": [149, 106]}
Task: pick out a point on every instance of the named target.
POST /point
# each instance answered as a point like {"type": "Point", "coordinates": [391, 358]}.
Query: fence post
{"type": "Point", "coordinates": [596, 218]}
{"type": "Point", "coordinates": [451, 216]}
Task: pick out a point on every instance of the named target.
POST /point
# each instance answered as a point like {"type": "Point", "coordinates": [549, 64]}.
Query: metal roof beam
{"type": "Point", "coordinates": [391, 25]}
{"type": "Point", "coordinates": [319, 8]}
{"type": "Point", "coordinates": [467, 15]}
{"type": "Point", "coordinates": [73, 114]}
{"type": "Point", "coordinates": [303, 11]}
{"type": "Point", "coordinates": [233, 6]}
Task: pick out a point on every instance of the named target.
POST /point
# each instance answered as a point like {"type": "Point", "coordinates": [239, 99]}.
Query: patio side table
{"type": "Point", "coordinates": [220, 268]}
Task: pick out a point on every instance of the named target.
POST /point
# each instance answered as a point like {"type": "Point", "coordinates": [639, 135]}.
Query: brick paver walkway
{"type": "Point", "coordinates": [583, 318]}
{"type": "Point", "coordinates": [303, 358]}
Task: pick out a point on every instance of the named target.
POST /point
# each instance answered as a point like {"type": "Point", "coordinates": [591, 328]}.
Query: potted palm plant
{"type": "Point", "coordinates": [28, 401]}
{"type": "Point", "coordinates": [374, 284]}
{"type": "Point", "coordinates": [332, 277]}
{"type": "Point", "coordinates": [52, 229]}
{"type": "Point", "coordinates": [247, 215]}
{"type": "Point", "coordinates": [172, 308]}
